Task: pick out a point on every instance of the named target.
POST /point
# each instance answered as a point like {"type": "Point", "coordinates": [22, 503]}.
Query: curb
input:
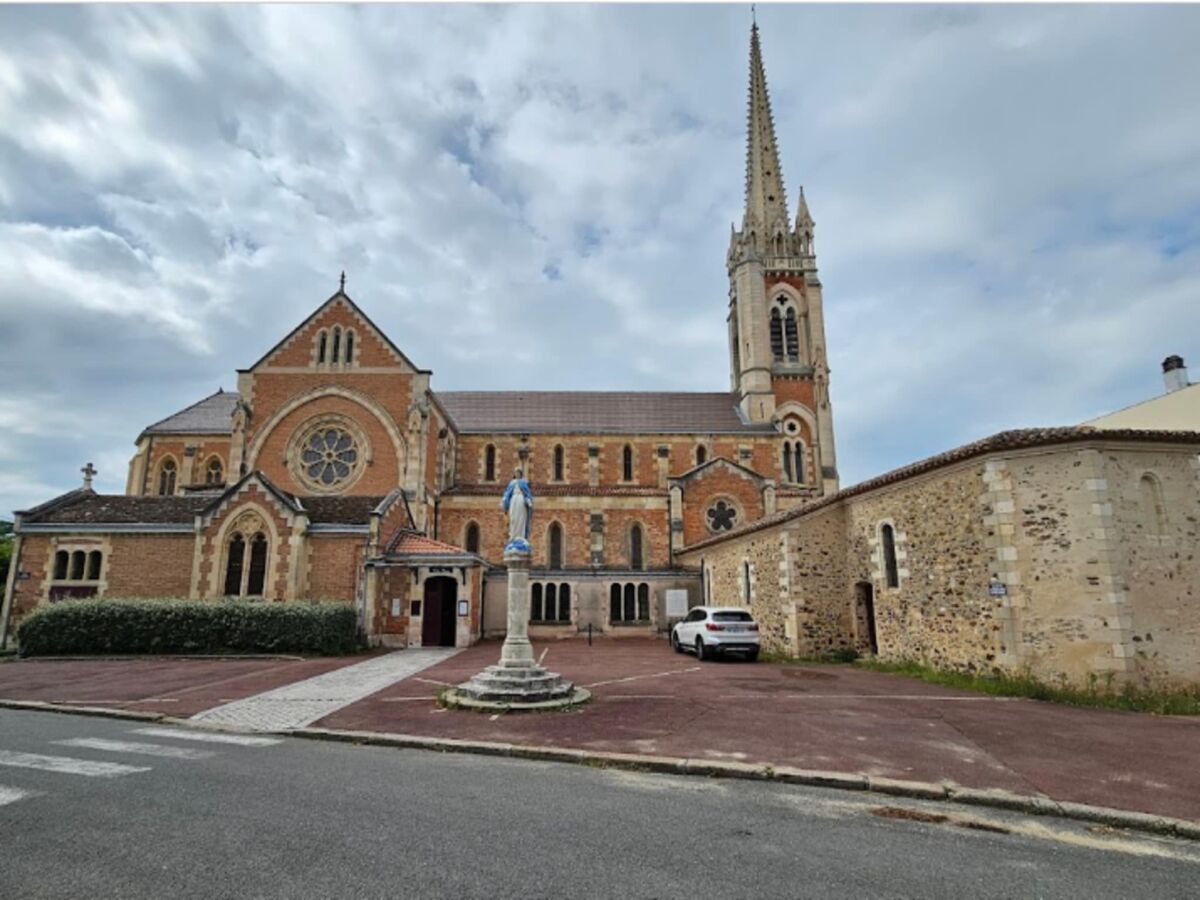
{"type": "Point", "coordinates": [946, 792]}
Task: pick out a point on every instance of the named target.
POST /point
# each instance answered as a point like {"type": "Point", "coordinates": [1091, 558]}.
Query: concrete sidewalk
{"type": "Point", "coordinates": [649, 700]}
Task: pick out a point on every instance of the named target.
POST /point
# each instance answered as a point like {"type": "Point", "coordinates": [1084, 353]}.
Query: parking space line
{"type": "Point", "coordinates": [214, 737]}
{"type": "Point", "coordinates": [640, 677]}
{"type": "Point", "coordinates": [136, 747]}
{"type": "Point", "coordinates": [65, 765]}
{"type": "Point", "coordinates": [12, 795]}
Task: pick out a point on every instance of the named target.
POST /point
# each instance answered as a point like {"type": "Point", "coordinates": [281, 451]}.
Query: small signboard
{"type": "Point", "coordinates": [462, 608]}
{"type": "Point", "coordinates": [677, 603]}
{"type": "Point", "coordinates": [395, 606]}
{"type": "Point", "coordinates": [996, 589]}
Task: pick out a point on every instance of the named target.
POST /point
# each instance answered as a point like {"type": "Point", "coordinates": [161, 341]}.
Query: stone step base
{"type": "Point", "coordinates": [528, 684]}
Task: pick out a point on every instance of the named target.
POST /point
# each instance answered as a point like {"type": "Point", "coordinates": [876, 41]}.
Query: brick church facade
{"type": "Point", "coordinates": [336, 472]}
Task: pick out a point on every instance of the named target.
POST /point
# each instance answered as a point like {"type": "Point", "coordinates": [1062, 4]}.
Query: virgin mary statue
{"type": "Point", "coordinates": [518, 503]}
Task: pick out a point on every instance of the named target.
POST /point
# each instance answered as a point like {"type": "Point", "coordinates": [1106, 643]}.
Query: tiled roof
{"type": "Point", "coordinates": [416, 543]}
{"type": "Point", "coordinates": [596, 412]}
{"type": "Point", "coordinates": [340, 510]}
{"type": "Point", "coordinates": [117, 509]}
{"type": "Point", "coordinates": [212, 415]}
{"type": "Point", "coordinates": [1018, 439]}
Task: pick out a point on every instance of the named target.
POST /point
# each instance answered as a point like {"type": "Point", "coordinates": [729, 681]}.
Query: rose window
{"type": "Point", "coordinates": [722, 516]}
{"type": "Point", "coordinates": [329, 456]}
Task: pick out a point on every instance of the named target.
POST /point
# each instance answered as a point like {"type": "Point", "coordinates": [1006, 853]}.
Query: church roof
{"type": "Point", "coordinates": [596, 412]}
{"type": "Point", "coordinates": [83, 507]}
{"type": "Point", "coordinates": [211, 415]}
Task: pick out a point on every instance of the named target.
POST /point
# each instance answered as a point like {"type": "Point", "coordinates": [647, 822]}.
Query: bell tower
{"type": "Point", "coordinates": [776, 324]}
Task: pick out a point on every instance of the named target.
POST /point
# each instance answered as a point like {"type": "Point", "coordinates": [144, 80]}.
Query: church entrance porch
{"type": "Point", "coordinates": [440, 603]}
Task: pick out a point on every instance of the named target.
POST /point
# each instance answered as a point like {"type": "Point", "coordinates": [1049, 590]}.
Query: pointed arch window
{"type": "Point", "coordinates": [349, 347]}
{"type": "Point", "coordinates": [258, 566]}
{"type": "Point", "coordinates": [554, 544]}
{"type": "Point", "coordinates": [489, 463]}
{"type": "Point", "coordinates": [337, 345]}
{"type": "Point", "coordinates": [322, 346]}
{"type": "Point", "coordinates": [701, 454]}
{"type": "Point", "coordinates": [559, 462]}
{"type": "Point", "coordinates": [471, 539]}
{"type": "Point", "coordinates": [636, 560]}
{"type": "Point", "coordinates": [235, 560]}
{"type": "Point", "coordinates": [627, 463]}
{"type": "Point", "coordinates": [776, 334]}
{"type": "Point", "coordinates": [791, 335]}
{"type": "Point", "coordinates": [166, 477]}
{"type": "Point", "coordinates": [214, 472]}
{"type": "Point", "coordinates": [891, 568]}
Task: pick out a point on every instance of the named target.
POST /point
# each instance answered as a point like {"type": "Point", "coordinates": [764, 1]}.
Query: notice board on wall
{"type": "Point", "coordinates": [677, 603]}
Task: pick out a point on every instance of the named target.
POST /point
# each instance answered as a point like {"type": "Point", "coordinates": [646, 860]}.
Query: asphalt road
{"type": "Point", "coordinates": [184, 818]}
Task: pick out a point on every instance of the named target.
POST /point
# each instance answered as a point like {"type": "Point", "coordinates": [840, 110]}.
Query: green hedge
{"type": "Point", "coordinates": [76, 627]}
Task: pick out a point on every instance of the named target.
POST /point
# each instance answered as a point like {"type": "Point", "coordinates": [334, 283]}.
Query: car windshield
{"type": "Point", "coordinates": [736, 616]}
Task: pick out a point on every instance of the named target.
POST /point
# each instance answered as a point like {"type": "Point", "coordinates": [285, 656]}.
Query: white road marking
{"type": "Point", "coordinates": [214, 737]}
{"type": "Point", "coordinates": [434, 681]}
{"type": "Point", "coordinates": [66, 765]}
{"type": "Point", "coordinates": [428, 699]}
{"type": "Point", "coordinates": [542, 658]}
{"type": "Point", "coordinates": [639, 677]}
{"type": "Point", "coordinates": [136, 747]}
{"type": "Point", "coordinates": [800, 696]}
{"type": "Point", "coordinates": [12, 795]}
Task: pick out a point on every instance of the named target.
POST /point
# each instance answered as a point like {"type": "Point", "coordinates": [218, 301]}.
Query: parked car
{"type": "Point", "coordinates": [711, 630]}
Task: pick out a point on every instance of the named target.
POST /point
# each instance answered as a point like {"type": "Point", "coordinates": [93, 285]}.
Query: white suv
{"type": "Point", "coordinates": [709, 630]}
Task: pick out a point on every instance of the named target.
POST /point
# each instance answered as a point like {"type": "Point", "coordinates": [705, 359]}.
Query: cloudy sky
{"type": "Point", "coordinates": [1007, 204]}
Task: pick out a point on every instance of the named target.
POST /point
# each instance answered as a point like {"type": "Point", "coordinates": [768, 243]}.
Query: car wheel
{"type": "Point", "coordinates": [675, 645]}
{"type": "Point", "coordinates": [701, 653]}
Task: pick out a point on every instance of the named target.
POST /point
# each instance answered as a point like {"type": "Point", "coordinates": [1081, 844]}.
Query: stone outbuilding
{"type": "Point", "coordinates": [1071, 553]}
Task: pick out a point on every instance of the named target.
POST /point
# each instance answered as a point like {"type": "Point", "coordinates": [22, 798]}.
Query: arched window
{"type": "Point", "coordinates": [62, 560]}
{"type": "Point", "coordinates": [489, 463]}
{"type": "Point", "coordinates": [1154, 512]}
{"type": "Point", "coordinates": [166, 477]}
{"type": "Point", "coordinates": [614, 603]}
{"type": "Point", "coordinates": [78, 561]}
{"type": "Point", "coordinates": [643, 602]}
{"type": "Point", "coordinates": [93, 567]}
{"type": "Point", "coordinates": [214, 472]}
{"type": "Point", "coordinates": [349, 347]}
{"type": "Point", "coordinates": [799, 461]}
{"type": "Point", "coordinates": [787, 461]}
{"type": "Point", "coordinates": [554, 543]}
{"type": "Point", "coordinates": [550, 611]}
{"type": "Point", "coordinates": [337, 345]}
{"type": "Point", "coordinates": [635, 548]}
{"type": "Point", "coordinates": [630, 604]}
{"type": "Point", "coordinates": [776, 334]}
{"type": "Point", "coordinates": [234, 564]}
{"type": "Point", "coordinates": [535, 602]}
{"type": "Point", "coordinates": [891, 571]}
{"type": "Point", "coordinates": [471, 538]}
{"type": "Point", "coordinates": [559, 462]}
{"type": "Point", "coordinates": [627, 463]}
{"type": "Point", "coordinates": [322, 346]}
{"type": "Point", "coordinates": [792, 336]}
{"type": "Point", "coordinates": [701, 454]}
{"type": "Point", "coordinates": [564, 602]}
{"type": "Point", "coordinates": [258, 566]}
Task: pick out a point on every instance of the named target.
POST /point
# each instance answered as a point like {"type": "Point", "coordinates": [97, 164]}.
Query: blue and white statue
{"type": "Point", "coordinates": [518, 503]}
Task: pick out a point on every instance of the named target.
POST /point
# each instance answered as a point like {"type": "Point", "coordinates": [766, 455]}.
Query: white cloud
{"type": "Point", "coordinates": [1006, 201]}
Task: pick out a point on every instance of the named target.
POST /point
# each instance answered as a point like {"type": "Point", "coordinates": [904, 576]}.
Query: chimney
{"type": "Point", "coordinates": [1175, 374]}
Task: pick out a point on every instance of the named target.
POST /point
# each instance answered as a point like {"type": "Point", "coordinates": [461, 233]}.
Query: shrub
{"type": "Point", "coordinates": [108, 626]}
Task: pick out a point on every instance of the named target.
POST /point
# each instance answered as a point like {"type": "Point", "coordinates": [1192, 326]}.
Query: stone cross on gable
{"type": "Point", "coordinates": [89, 472]}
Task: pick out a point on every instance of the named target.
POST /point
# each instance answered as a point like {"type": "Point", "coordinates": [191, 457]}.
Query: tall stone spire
{"type": "Point", "coordinates": [766, 203]}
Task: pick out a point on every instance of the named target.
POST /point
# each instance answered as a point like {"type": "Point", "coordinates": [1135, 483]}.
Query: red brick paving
{"type": "Point", "coordinates": [818, 717]}
{"type": "Point", "coordinates": [178, 687]}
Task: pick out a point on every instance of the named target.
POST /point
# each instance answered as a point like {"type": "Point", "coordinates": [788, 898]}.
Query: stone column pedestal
{"type": "Point", "coordinates": [516, 681]}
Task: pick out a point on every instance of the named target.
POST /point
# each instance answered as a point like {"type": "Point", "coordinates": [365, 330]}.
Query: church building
{"type": "Point", "coordinates": [337, 473]}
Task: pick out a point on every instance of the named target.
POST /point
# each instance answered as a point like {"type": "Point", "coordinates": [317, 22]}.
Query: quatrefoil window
{"type": "Point", "coordinates": [330, 456]}
{"type": "Point", "coordinates": [722, 516]}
